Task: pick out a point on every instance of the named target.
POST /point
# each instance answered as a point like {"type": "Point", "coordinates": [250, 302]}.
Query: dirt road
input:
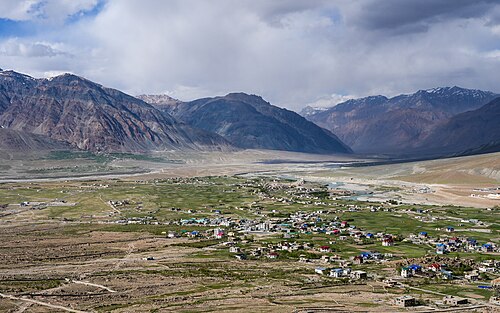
{"type": "Point", "coordinates": [54, 306]}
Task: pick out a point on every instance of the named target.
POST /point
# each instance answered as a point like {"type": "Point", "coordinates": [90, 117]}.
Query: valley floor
{"type": "Point", "coordinates": [102, 243]}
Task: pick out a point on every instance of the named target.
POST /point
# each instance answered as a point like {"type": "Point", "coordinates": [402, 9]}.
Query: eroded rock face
{"type": "Point", "coordinates": [91, 117]}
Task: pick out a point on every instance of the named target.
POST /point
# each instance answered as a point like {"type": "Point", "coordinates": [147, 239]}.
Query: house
{"type": "Point", "coordinates": [325, 259]}
{"type": "Point", "coordinates": [194, 233]}
{"type": "Point", "coordinates": [446, 274]}
{"type": "Point", "coordinates": [369, 235]}
{"type": "Point", "coordinates": [324, 249]}
{"type": "Point", "coordinates": [423, 234]}
{"type": "Point", "coordinates": [454, 301]}
{"type": "Point", "coordinates": [320, 270]}
{"type": "Point", "coordinates": [405, 301]}
{"type": "Point", "coordinates": [406, 272]}
{"type": "Point", "coordinates": [358, 235]}
{"type": "Point", "coordinates": [366, 255]}
{"type": "Point", "coordinates": [471, 243]}
{"type": "Point", "coordinates": [234, 250]}
{"type": "Point", "coordinates": [272, 255]}
{"type": "Point", "coordinates": [358, 259]}
{"type": "Point", "coordinates": [303, 259]}
{"type": "Point", "coordinates": [387, 242]}
{"type": "Point", "coordinates": [344, 224]}
{"type": "Point", "coordinates": [336, 273]}
{"type": "Point", "coordinates": [359, 275]}
{"type": "Point", "coordinates": [415, 268]}
{"type": "Point", "coordinates": [474, 275]}
{"type": "Point", "coordinates": [450, 229]}
{"type": "Point", "coordinates": [487, 247]}
{"type": "Point", "coordinates": [495, 284]}
{"type": "Point", "coordinates": [256, 253]}
{"type": "Point", "coordinates": [440, 248]}
{"type": "Point", "coordinates": [172, 234]}
{"type": "Point", "coordinates": [486, 269]}
{"type": "Point", "coordinates": [435, 267]}
{"type": "Point", "coordinates": [390, 283]}
{"type": "Point", "coordinates": [218, 233]}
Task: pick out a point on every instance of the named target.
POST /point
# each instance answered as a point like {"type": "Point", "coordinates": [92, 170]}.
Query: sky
{"type": "Point", "coordinates": [291, 52]}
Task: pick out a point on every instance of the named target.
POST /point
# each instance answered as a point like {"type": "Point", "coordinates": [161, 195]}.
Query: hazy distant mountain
{"type": "Point", "coordinates": [247, 121]}
{"type": "Point", "coordinates": [91, 117]}
{"type": "Point", "coordinates": [392, 125]}
{"type": "Point", "coordinates": [476, 131]}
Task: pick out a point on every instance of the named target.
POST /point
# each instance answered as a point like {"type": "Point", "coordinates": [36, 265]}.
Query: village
{"type": "Point", "coordinates": [276, 235]}
{"type": "Point", "coordinates": [329, 263]}
{"type": "Point", "coordinates": [331, 239]}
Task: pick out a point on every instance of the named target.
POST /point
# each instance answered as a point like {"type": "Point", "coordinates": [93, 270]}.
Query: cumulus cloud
{"type": "Point", "coordinates": [16, 10]}
{"type": "Point", "coordinates": [14, 47]}
{"type": "Point", "coordinates": [53, 11]}
{"type": "Point", "coordinates": [292, 52]}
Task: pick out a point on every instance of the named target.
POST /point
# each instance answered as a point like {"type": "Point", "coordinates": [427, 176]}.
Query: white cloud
{"type": "Point", "coordinates": [15, 47]}
{"type": "Point", "coordinates": [52, 11]}
{"type": "Point", "coordinates": [17, 10]}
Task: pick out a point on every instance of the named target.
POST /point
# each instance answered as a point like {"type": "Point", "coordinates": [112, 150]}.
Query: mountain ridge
{"type": "Point", "coordinates": [468, 132]}
{"type": "Point", "coordinates": [250, 122]}
{"type": "Point", "coordinates": [92, 117]}
{"type": "Point", "coordinates": [382, 125]}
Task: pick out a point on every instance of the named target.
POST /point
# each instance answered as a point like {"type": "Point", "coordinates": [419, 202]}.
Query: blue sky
{"type": "Point", "coordinates": [11, 28]}
{"type": "Point", "coordinates": [292, 52]}
{"type": "Point", "coordinates": [36, 21]}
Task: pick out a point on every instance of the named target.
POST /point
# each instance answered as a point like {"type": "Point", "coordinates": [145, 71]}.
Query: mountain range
{"type": "Point", "coordinates": [413, 124]}
{"type": "Point", "coordinates": [70, 111]}
{"type": "Point", "coordinates": [249, 122]}
{"type": "Point", "coordinates": [88, 116]}
{"type": "Point", "coordinates": [476, 131]}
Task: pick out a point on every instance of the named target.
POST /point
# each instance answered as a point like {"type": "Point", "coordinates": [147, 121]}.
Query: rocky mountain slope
{"type": "Point", "coordinates": [12, 140]}
{"type": "Point", "coordinates": [247, 121]}
{"type": "Point", "coordinates": [396, 125]}
{"type": "Point", "coordinates": [476, 131]}
{"type": "Point", "coordinates": [92, 117]}
{"type": "Point", "coordinates": [159, 101]}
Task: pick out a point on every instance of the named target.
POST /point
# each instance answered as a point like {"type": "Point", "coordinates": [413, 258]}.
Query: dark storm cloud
{"type": "Point", "coordinates": [273, 11]}
{"type": "Point", "coordinates": [410, 16]}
